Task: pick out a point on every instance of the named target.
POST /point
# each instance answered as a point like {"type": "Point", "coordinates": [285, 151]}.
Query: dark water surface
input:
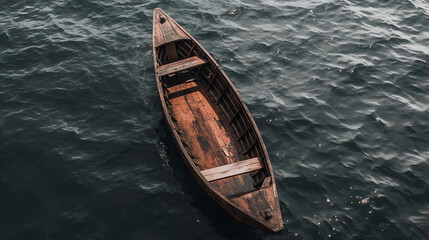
{"type": "Point", "coordinates": [339, 90]}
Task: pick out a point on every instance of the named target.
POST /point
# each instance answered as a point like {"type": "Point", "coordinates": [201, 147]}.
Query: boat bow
{"type": "Point", "coordinates": [166, 29]}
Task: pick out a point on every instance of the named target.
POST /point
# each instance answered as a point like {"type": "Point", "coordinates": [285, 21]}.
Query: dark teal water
{"type": "Point", "coordinates": [339, 90]}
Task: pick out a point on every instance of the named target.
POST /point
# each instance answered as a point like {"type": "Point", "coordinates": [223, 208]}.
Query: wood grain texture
{"type": "Point", "coordinates": [259, 201]}
{"type": "Point", "coordinates": [180, 65]}
{"type": "Point", "coordinates": [211, 135]}
{"type": "Point", "coordinates": [232, 169]}
{"type": "Point", "coordinates": [208, 135]}
{"type": "Point", "coordinates": [198, 120]}
{"type": "Point", "coordinates": [165, 32]}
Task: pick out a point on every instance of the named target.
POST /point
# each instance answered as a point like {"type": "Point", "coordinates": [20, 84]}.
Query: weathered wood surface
{"type": "Point", "coordinates": [232, 169]}
{"type": "Point", "coordinates": [165, 32]}
{"type": "Point", "coordinates": [259, 202]}
{"type": "Point", "coordinates": [180, 65]}
{"type": "Point", "coordinates": [207, 134]}
{"type": "Point", "coordinates": [213, 128]}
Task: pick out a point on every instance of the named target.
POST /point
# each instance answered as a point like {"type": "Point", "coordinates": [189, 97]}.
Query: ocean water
{"type": "Point", "coordinates": [338, 88]}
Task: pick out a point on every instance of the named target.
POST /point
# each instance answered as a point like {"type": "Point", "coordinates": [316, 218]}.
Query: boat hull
{"type": "Point", "coordinates": [208, 127]}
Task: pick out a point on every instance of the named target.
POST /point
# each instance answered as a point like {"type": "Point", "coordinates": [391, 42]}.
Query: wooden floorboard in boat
{"type": "Point", "coordinates": [206, 133]}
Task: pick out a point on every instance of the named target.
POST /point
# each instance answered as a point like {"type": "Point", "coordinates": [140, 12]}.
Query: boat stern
{"type": "Point", "coordinates": [264, 207]}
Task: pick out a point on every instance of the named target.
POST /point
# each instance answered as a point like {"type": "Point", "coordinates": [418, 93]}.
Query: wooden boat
{"type": "Point", "coordinates": [213, 128]}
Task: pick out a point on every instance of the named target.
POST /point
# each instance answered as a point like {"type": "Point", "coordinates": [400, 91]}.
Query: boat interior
{"type": "Point", "coordinates": [211, 121]}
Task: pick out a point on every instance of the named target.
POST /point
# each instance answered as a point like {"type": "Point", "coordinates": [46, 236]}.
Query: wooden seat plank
{"type": "Point", "coordinates": [232, 169]}
{"type": "Point", "coordinates": [180, 65]}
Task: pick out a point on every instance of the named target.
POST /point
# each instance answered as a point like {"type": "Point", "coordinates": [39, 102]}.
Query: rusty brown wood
{"type": "Point", "coordinates": [201, 131]}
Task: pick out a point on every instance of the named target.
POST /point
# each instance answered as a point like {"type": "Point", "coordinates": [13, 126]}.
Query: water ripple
{"type": "Point", "coordinates": [338, 89]}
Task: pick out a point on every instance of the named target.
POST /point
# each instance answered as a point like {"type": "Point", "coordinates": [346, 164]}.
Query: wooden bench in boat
{"type": "Point", "coordinates": [180, 65]}
{"type": "Point", "coordinates": [232, 169]}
